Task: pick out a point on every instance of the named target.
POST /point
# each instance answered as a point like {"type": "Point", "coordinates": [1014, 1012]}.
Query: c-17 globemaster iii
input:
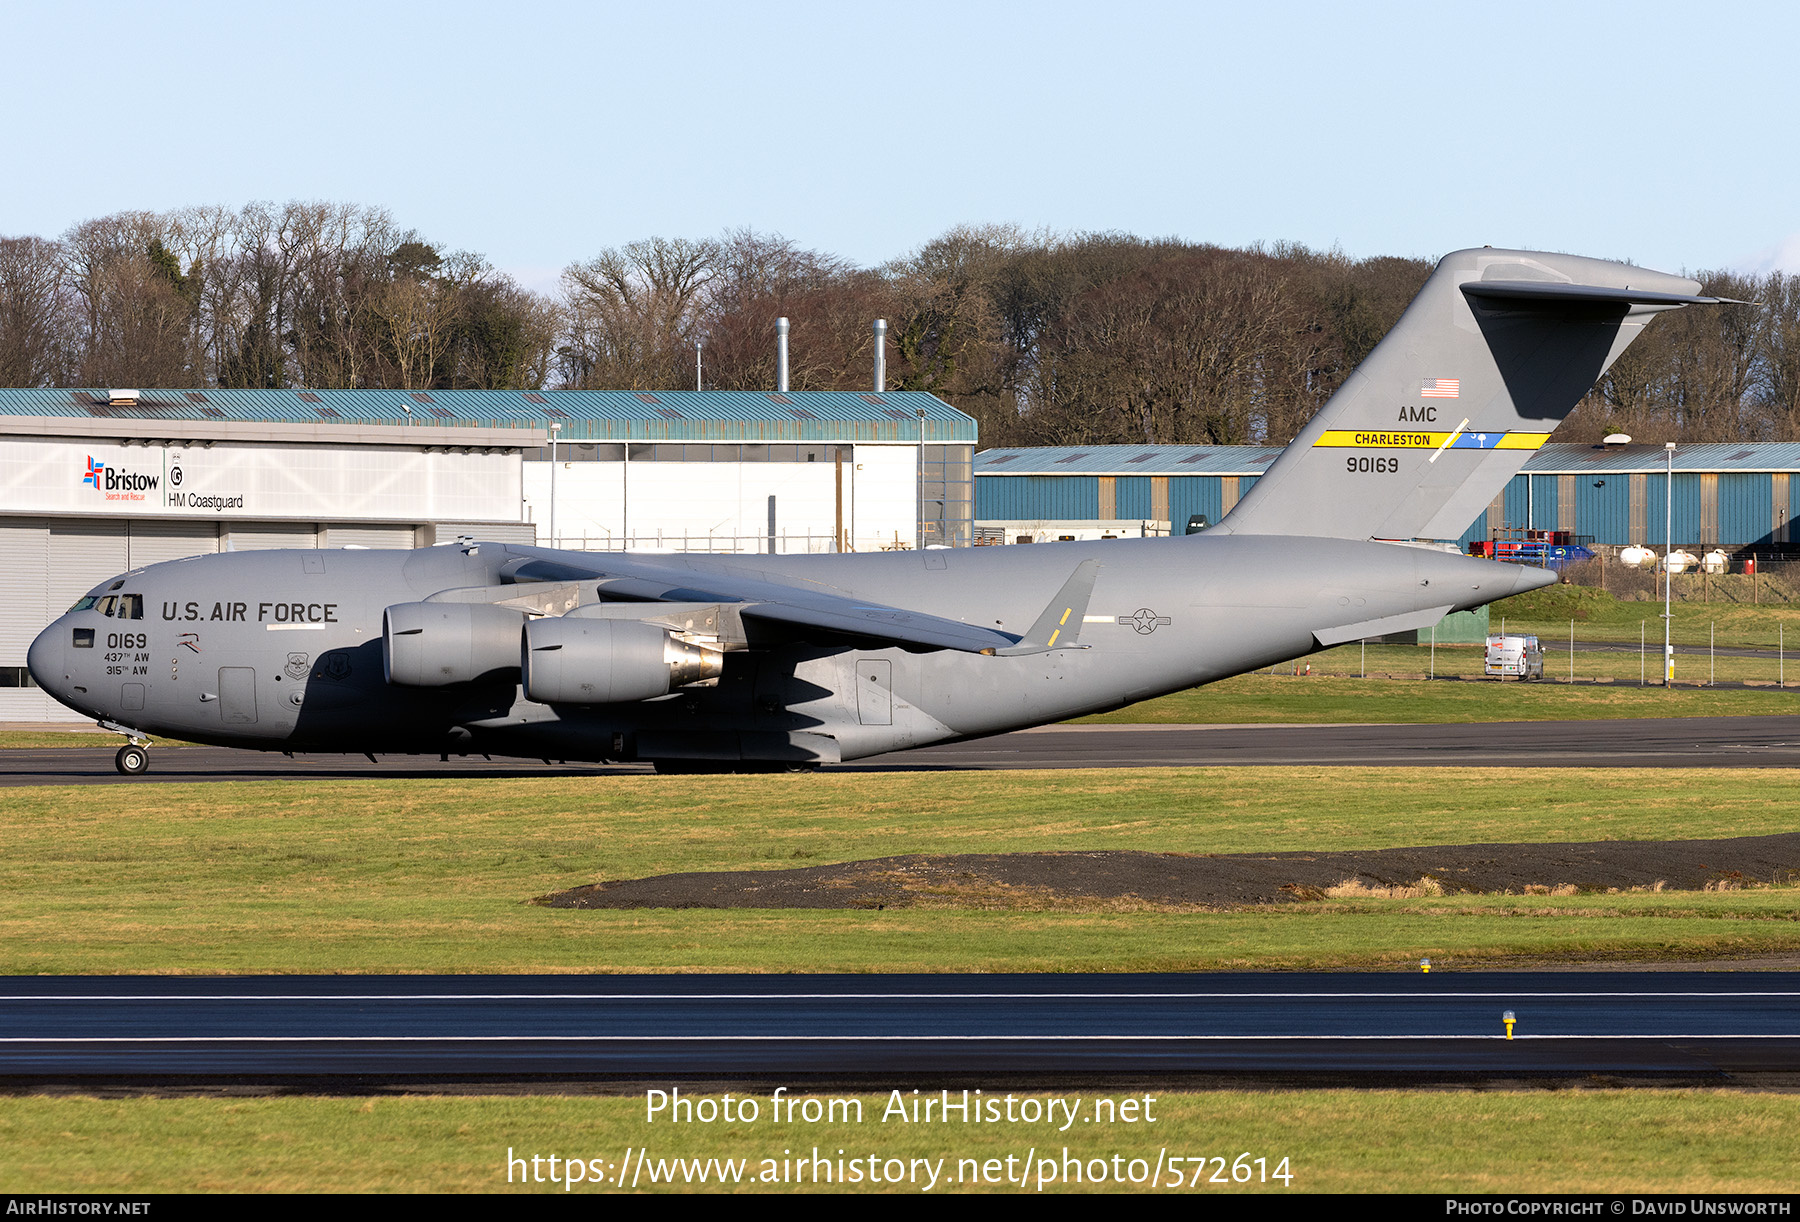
{"type": "Point", "coordinates": [702, 662]}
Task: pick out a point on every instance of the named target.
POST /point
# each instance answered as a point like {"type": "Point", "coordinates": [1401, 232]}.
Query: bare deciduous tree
{"type": "Point", "coordinates": [34, 309]}
{"type": "Point", "coordinates": [632, 312]}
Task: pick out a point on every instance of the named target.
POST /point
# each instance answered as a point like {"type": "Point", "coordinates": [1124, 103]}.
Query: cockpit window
{"type": "Point", "coordinates": [131, 606]}
{"type": "Point", "coordinates": [84, 638]}
{"type": "Point", "coordinates": [108, 603]}
{"type": "Point", "coordinates": [84, 603]}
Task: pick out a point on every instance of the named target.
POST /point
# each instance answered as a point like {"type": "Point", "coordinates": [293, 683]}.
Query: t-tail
{"type": "Point", "coordinates": [1496, 350]}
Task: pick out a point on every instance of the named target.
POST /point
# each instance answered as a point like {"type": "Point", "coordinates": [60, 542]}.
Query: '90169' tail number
{"type": "Point", "coordinates": [1366, 465]}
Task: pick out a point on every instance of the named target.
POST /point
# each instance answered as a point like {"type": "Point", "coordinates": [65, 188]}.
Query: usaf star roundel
{"type": "Point", "coordinates": [1144, 620]}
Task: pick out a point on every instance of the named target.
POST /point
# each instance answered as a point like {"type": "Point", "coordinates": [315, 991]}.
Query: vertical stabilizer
{"type": "Point", "coordinates": [1498, 347]}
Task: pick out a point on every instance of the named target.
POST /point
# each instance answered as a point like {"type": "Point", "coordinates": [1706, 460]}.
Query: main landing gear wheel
{"type": "Point", "coordinates": [132, 760]}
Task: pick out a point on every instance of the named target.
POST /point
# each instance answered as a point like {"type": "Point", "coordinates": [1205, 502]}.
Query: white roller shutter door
{"type": "Point", "coordinates": [498, 532]}
{"type": "Point", "coordinates": [24, 607]}
{"type": "Point", "coordinates": [82, 555]}
{"type": "Point", "coordinates": [387, 537]}
{"type": "Point", "coordinates": [261, 536]}
{"type": "Point", "coordinates": [155, 542]}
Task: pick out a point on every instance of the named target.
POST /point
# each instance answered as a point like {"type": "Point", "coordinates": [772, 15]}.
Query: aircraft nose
{"type": "Point", "coordinates": [47, 659]}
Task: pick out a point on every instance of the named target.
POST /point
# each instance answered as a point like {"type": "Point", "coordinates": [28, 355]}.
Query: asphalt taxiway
{"type": "Point", "coordinates": [372, 1029]}
{"type": "Point", "coordinates": [1674, 742]}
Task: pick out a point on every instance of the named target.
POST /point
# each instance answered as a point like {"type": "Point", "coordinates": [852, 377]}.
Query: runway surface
{"type": "Point", "coordinates": [1678, 742]}
{"type": "Point", "coordinates": [883, 1028]}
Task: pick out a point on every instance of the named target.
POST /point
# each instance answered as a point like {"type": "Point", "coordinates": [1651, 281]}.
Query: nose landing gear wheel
{"type": "Point", "coordinates": [132, 760]}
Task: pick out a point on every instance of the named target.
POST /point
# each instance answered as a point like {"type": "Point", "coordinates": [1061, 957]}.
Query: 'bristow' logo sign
{"type": "Point", "coordinates": [117, 484]}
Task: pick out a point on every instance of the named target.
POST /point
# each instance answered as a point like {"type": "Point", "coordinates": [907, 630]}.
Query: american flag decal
{"type": "Point", "coordinates": [1440, 388]}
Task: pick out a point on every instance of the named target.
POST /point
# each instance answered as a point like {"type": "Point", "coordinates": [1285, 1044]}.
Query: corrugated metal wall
{"type": "Point", "coordinates": [1190, 495]}
{"type": "Point", "coordinates": [1515, 500]}
{"type": "Point", "coordinates": [1687, 521]}
{"type": "Point", "coordinates": [1037, 497]}
{"type": "Point", "coordinates": [1732, 508]}
{"type": "Point", "coordinates": [1565, 503]}
{"type": "Point", "coordinates": [1687, 509]}
{"type": "Point", "coordinates": [1134, 501]}
{"type": "Point", "coordinates": [1541, 504]}
{"type": "Point", "coordinates": [1602, 506]}
{"type": "Point", "coordinates": [1745, 503]}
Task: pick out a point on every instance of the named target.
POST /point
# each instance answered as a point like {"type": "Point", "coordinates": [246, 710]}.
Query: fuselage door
{"type": "Point", "coordinates": [237, 695]}
{"type": "Point", "coordinates": [875, 691]}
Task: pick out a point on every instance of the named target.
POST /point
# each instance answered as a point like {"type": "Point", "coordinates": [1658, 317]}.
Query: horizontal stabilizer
{"type": "Point", "coordinates": [1551, 292]}
{"type": "Point", "coordinates": [1411, 621]}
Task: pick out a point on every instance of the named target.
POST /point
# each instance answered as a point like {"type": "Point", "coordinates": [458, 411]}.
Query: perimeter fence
{"type": "Point", "coordinates": [1767, 582]}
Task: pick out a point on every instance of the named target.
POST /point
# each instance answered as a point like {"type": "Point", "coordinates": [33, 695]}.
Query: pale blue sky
{"type": "Point", "coordinates": [539, 133]}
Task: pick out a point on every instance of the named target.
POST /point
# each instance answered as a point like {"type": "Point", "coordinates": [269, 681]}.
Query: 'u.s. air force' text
{"type": "Point", "coordinates": [266, 613]}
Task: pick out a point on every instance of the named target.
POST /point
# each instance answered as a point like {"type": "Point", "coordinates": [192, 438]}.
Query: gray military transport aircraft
{"type": "Point", "coordinates": [746, 663]}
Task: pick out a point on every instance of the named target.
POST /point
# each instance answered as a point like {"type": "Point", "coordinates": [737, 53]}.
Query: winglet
{"type": "Point", "coordinates": [1059, 626]}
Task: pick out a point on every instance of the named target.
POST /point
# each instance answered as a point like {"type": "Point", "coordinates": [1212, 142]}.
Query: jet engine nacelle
{"type": "Point", "coordinates": [577, 660]}
{"type": "Point", "coordinates": [436, 644]}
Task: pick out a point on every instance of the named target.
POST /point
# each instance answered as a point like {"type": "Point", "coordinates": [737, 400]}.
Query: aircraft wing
{"type": "Point", "coordinates": [797, 607]}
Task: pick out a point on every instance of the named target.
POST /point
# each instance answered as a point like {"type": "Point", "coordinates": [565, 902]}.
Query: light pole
{"type": "Point", "coordinates": [1668, 553]}
{"type": "Point", "coordinates": [555, 428]}
{"type": "Point", "coordinates": [697, 365]}
{"type": "Point", "coordinates": [919, 489]}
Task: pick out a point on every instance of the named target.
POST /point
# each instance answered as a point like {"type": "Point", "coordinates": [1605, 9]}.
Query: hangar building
{"type": "Point", "coordinates": [1734, 496]}
{"type": "Point", "coordinates": [748, 471]}
{"type": "Point", "coordinates": [101, 481]}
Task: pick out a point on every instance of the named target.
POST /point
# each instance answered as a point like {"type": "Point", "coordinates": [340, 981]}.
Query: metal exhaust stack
{"type": "Point", "coordinates": [880, 355]}
{"type": "Point", "coordinates": [781, 359]}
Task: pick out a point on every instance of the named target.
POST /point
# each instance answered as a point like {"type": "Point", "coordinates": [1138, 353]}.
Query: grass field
{"type": "Point", "coordinates": [78, 734]}
{"type": "Point", "coordinates": [1324, 698]}
{"type": "Point", "coordinates": [1584, 1141]}
{"type": "Point", "coordinates": [1600, 617]}
{"type": "Point", "coordinates": [413, 876]}
{"type": "Point", "coordinates": [426, 876]}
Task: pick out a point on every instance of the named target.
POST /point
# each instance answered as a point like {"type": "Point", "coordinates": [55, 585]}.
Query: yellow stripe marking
{"type": "Point", "coordinates": [1379, 439]}
{"type": "Point", "coordinates": [1053, 637]}
{"type": "Point", "coordinates": [1067, 611]}
{"type": "Point", "coordinates": [1522, 441]}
